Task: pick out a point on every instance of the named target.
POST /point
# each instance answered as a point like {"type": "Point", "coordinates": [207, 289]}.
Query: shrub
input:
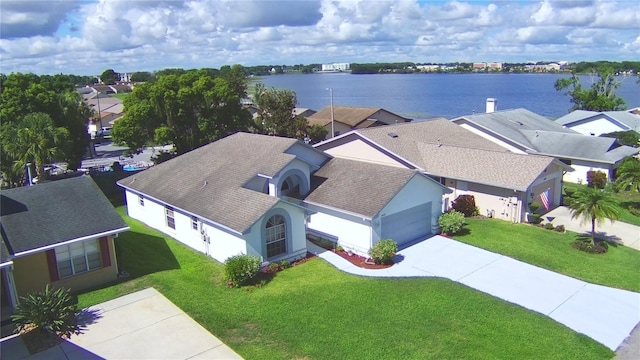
{"type": "Point", "coordinates": [465, 204]}
{"type": "Point", "coordinates": [53, 311]}
{"type": "Point", "coordinates": [548, 226]}
{"type": "Point", "coordinates": [596, 179]}
{"type": "Point", "coordinates": [600, 247]}
{"type": "Point", "coordinates": [535, 219]}
{"type": "Point", "coordinates": [241, 270]}
{"type": "Point", "coordinates": [383, 251]}
{"type": "Point", "coordinates": [452, 222]}
{"type": "Point", "coordinates": [560, 228]}
{"type": "Point", "coordinates": [634, 210]}
{"type": "Point", "coordinates": [534, 207]}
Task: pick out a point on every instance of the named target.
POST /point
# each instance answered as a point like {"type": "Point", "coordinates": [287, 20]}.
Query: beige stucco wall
{"type": "Point", "coordinates": [31, 273]}
{"type": "Point", "coordinates": [357, 149]}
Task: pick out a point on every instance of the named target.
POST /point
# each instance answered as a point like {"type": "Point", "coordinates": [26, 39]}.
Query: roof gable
{"type": "Point", "coordinates": [43, 215]}
{"type": "Point", "coordinates": [351, 116]}
{"type": "Point", "coordinates": [208, 181]}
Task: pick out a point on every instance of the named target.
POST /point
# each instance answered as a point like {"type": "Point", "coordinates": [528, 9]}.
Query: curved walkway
{"type": "Point", "coordinates": [565, 299]}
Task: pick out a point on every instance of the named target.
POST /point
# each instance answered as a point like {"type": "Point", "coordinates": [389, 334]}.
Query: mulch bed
{"type": "Point", "coordinates": [360, 261]}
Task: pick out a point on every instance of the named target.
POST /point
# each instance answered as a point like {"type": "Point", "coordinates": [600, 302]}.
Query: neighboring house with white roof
{"type": "Point", "coordinates": [596, 123]}
{"type": "Point", "coordinates": [524, 132]}
{"type": "Point", "coordinates": [262, 195]}
{"type": "Point", "coordinates": [346, 118]}
{"type": "Point", "coordinates": [503, 183]}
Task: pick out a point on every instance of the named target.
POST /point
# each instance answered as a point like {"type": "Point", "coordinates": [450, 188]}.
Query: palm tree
{"type": "Point", "coordinates": [35, 139]}
{"type": "Point", "coordinates": [628, 175]}
{"type": "Point", "coordinates": [595, 205]}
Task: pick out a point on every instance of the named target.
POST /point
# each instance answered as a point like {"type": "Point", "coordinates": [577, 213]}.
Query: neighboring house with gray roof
{"type": "Point", "coordinates": [346, 118]}
{"type": "Point", "coordinates": [59, 233]}
{"type": "Point", "coordinates": [503, 183]}
{"type": "Point", "coordinates": [524, 132]}
{"type": "Point", "coordinates": [596, 123]}
{"type": "Point", "coordinates": [261, 195]}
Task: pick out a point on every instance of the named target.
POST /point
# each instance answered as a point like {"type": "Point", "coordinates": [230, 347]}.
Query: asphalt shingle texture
{"type": "Point", "coordinates": [351, 116]}
{"type": "Point", "coordinates": [208, 181]}
{"type": "Point", "coordinates": [54, 212]}
{"type": "Point", "coordinates": [356, 186]}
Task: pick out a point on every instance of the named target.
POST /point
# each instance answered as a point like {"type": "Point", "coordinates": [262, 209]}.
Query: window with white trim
{"type": "Point", "coordinates": [276, 236]}
{"type": "Point", "coordinates": [171, 221]}
{"type": "Point", "coordinates": [194, 223]}
{"type": "Point", "coordinates": [140, 200]}
{"type": "Point", "coordinates": [78, 258]}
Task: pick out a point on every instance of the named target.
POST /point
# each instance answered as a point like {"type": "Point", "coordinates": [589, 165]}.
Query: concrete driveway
{"type": "Point", "coordinates": [619, 232]}
{"type": "Point", "coordinates": [565, 299]}
{"type": "Point", "coordinates": [142, 325]}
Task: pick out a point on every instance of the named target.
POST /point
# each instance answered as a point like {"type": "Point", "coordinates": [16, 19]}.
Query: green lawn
{"type": "Point", "coordinates": [120, 96]}
{"type": "Point", "coordinates": [551, 250]}
{"type": "Point", "coordinates": [313, 311]}
{"type": "Point", "coordinates": [624, 200]}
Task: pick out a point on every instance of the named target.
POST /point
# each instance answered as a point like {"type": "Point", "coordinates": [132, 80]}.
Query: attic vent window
{"type": "Point", "coordinates": [393, 135]}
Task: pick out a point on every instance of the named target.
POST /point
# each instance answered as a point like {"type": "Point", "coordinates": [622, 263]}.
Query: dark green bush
{"type": "Point", "coordinates": [465, 204]}
{"type": "Point", "coordinates": [534, 207]}
{"type": "Point", "coordinates": [634, 210]}
{"type": "Point", "coordinates": [535, 219]}
{"type": "Point", "coordinates": [384, 251]}
{"type": "Point", "coordinates": [600, 247]}
{"type": "Point", "coordinates": [241, 270]}
{"type": "Point", "coordinates": [53, 311]}
{"type": "Point", "coordinates": [596, 179]}
{"type": "Point", "coordinates": [452, 222]}
{"type": "Point", "coordinates": [560, 228]}
{"type": "Point", "coordinates": [548, 226]}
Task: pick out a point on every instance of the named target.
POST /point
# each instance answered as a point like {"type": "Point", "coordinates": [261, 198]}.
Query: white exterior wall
{"type": "Point", "coordinates": [353, 233]}
{"type": "Point", "coordinates": [596, 127]}
{"type": "Point", "coordinates": [220, 243]}
{"type": "Point", "coordinates": [516, 150]}
{"type": "Point", "coordinates": [419, 190]}
{"type": "Point", "coordinates": [359, 150]}
{"type": "Point", "coordinates": [579, 175]}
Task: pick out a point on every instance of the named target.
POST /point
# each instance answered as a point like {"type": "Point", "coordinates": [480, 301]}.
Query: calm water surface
{"type": "Point", "coordinates": [422, 96]}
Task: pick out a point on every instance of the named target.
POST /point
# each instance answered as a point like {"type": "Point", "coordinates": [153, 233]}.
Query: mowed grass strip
{"type": "Point", "coordinates": [551, 250]}
{"type": "Point", "coordinates": [313, 311]}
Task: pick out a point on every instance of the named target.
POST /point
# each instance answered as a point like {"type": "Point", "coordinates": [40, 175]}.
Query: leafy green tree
{"type": "Point", "coordinates": [600, 97]}
{"type": "Point", "coordinates": [628, 175]}
{"type": "Point", "coordinates": [276, 114]}
{"type": "Point", "coordinates": [141, 76]}
{"type": "Point", "coordinates": [109, 77]}
{"type": "Point", "coordinates": [629, 137]}
{"type": "Point", "coordinates": [35, 140]}
{"type": "Point", "coordinates": [593, 205]}
{"type": "Point", "coordinates": [185, 108]}
{"type": "Point", "coordinates": [316, 133]}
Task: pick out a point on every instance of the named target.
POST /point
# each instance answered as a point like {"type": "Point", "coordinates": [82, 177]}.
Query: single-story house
{"type": "Point", "coordinates": [341, 119]}
{"type": "Point", "coordinates": [261, 195]}
{"type": "Point", "coordinates": [59, 233]}
{"type": "Point", "coordinates": [503, 183]}
{"type": "Point", "coordinates": [596, 123]}
{"type": "Point", "coordinates": [524, 132]}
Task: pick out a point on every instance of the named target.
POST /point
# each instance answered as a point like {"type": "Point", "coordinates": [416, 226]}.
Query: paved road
{"type": "Point", "coordinates": [620, 232]}
{"type": "Point", "coordinates": [567, 300]}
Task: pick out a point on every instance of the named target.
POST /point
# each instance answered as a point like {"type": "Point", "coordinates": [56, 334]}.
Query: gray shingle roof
{"type": "Point", "coordinates": [351, 116]}
{"type": "Point", "coordinates": [441, 148]}
{"type": "Point", "coordinates": [208, 181]}
{"type": "Point", "coordinates": [358, 187]}
{"type": "Point", "coordinates": [625, 118]}
{"type": "Point", "coordinates": [38, 216]}
{"type": "Point", "coordinates": [544, 136]}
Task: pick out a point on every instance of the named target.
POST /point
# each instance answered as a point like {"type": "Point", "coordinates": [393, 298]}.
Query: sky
{"type": "Point", "coordinates": [86, 37]}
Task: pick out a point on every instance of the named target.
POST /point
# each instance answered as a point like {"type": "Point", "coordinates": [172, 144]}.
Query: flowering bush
{"type": "Point", "coordinates": [241, 270]}
{"type": "Point", "coordinates": [384, 251]}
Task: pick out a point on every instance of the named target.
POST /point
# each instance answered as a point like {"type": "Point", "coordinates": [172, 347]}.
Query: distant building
{"type": "Point", "coordinates": [428, 68]}
{"type": "Point", "coordinates": [336, 67]}
{"type": "Point", "coordinates": [479, 66]}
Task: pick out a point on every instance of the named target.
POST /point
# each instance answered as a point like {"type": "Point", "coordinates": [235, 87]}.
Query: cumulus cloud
{"type": "Point", "coordinates": [155, 34]}
{"type": "Point", "coordinates": [19, 19]}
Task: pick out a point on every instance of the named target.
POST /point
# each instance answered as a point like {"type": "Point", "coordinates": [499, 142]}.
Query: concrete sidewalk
{"type": "Point", "coordinates": [618, 232]}
{"type": "Point", "coordinates": [567, 300]}
{"type": "Point", "coordinates": [142, 325]}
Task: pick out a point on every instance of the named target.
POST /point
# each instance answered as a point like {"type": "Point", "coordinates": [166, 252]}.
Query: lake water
{"type": "Point", "coordinates": [423, 96]}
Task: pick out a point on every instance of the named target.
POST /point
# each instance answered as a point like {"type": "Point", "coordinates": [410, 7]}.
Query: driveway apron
{"type": "Point", "coordinates": [565, 299]}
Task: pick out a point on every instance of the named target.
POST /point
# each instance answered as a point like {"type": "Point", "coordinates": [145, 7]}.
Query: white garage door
{"type": "Point", "coordinates": [407, 225]}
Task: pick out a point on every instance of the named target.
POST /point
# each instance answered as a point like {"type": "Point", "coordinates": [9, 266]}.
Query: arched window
{"type": "Point", "coordinates": [276, 236]}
